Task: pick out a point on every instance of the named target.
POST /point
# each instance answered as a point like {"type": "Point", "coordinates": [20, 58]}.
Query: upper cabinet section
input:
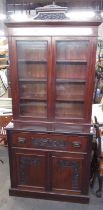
{"type": "Point", "coordinates": [52, 63]}
{"type": "Point", "coordinates": [52, 78]}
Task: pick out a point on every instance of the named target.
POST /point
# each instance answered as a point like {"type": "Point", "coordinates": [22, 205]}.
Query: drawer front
{"type": "Point", "coordinates": [50, 141]}
{"type": "Point", "coordinates": [20, 139]}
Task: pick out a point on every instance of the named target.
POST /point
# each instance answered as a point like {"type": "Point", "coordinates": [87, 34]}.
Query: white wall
{"type": "Point", "coordinates": [2, 5]}
{"type": "Point", "coordinates": [2, 10]}
{"type": "Point", "coordinates": [100, 31]}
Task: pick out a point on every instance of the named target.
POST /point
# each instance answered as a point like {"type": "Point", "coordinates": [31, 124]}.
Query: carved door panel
{"type": "Point", "coordinates": [29, 169]}
{"type": "Point", "coordinates": [68, 173]}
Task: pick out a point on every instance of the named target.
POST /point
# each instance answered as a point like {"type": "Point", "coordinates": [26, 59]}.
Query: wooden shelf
{"type": "Point", "coordinates": [72, 62]}
{"type": "Point", "coordinates": [69, 101]}
{"type": "Point", "coordinates": [3, 66]}
{"type": "Point", "coordinates": [32, 80]}
{"type": "Point", "coordinates": [3, 59]}
{"type": "Point", "coordinates": [32, 61]}
{"type": "Point", "coordinates": [70, 81]}
{"type": "Point", "coordinates": [4, 52]}
{"type": "Point", "coordinates": [31, 101]}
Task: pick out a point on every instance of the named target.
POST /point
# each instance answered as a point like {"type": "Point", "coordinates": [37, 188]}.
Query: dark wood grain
{"type": "Point", "coordinates": [52, 80]}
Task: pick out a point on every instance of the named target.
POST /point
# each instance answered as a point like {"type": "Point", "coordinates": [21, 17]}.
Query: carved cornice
{"type": "Point", "coordinates": [51, 8]}
{"type": "Point", "coordinates": [51, 16]}
{"type": "Point", "coordinates": [51, 12]}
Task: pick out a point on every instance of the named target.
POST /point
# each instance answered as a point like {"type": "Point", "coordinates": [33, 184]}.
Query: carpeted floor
{"type": "Point", "coordinates": [16, 203]}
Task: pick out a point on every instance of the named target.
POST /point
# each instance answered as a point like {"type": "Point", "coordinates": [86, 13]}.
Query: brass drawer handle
{"type": "Point", "coordinates": [76, 144]}
{"type": "Point", "coordinates": [21, 140]}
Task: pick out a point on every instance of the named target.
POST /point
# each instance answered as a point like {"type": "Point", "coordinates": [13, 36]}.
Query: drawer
{"type": "Point", "coordinates": [50, 141]}
{"type": "Point", "coordinates": [60, 142]}
{"type": "Point", "coordinates": [20, 139]}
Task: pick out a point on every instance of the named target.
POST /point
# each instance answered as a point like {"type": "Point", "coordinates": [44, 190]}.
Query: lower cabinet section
{"type": "Point", "coordinates": [49, 173]}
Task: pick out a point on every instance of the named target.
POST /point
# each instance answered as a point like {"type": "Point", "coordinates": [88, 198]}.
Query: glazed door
{"type": "Point", "coordinates": [31, 59]}
{"type": "Point", "coordinates": [72, 70]}
{"type": "Point", "coordinates": [53, 78]}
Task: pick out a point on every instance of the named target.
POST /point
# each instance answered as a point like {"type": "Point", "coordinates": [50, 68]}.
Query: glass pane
{"type": "Point", "coordinates": [32, 50]}
{"type": "Point", "coordinates": [33, 70]}
{"type": "Point", "coordinates": [69, 110]}
{"type": "Point", "coordinates": [75, 71]}
{"type": "Point", "coordinates": [37, 109]}
{"type": "Point", "coordinates": [72, 50]}
{"type": "Point", "coordinates": [33, 91]}
{"type": "Point", "coordinates": [70, 91]}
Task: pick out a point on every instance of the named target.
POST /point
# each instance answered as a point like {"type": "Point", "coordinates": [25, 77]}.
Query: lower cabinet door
{"type": "Point", "coordinates": [70, 174]}
{"type": "Point", "coordinates": [29, 169]}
